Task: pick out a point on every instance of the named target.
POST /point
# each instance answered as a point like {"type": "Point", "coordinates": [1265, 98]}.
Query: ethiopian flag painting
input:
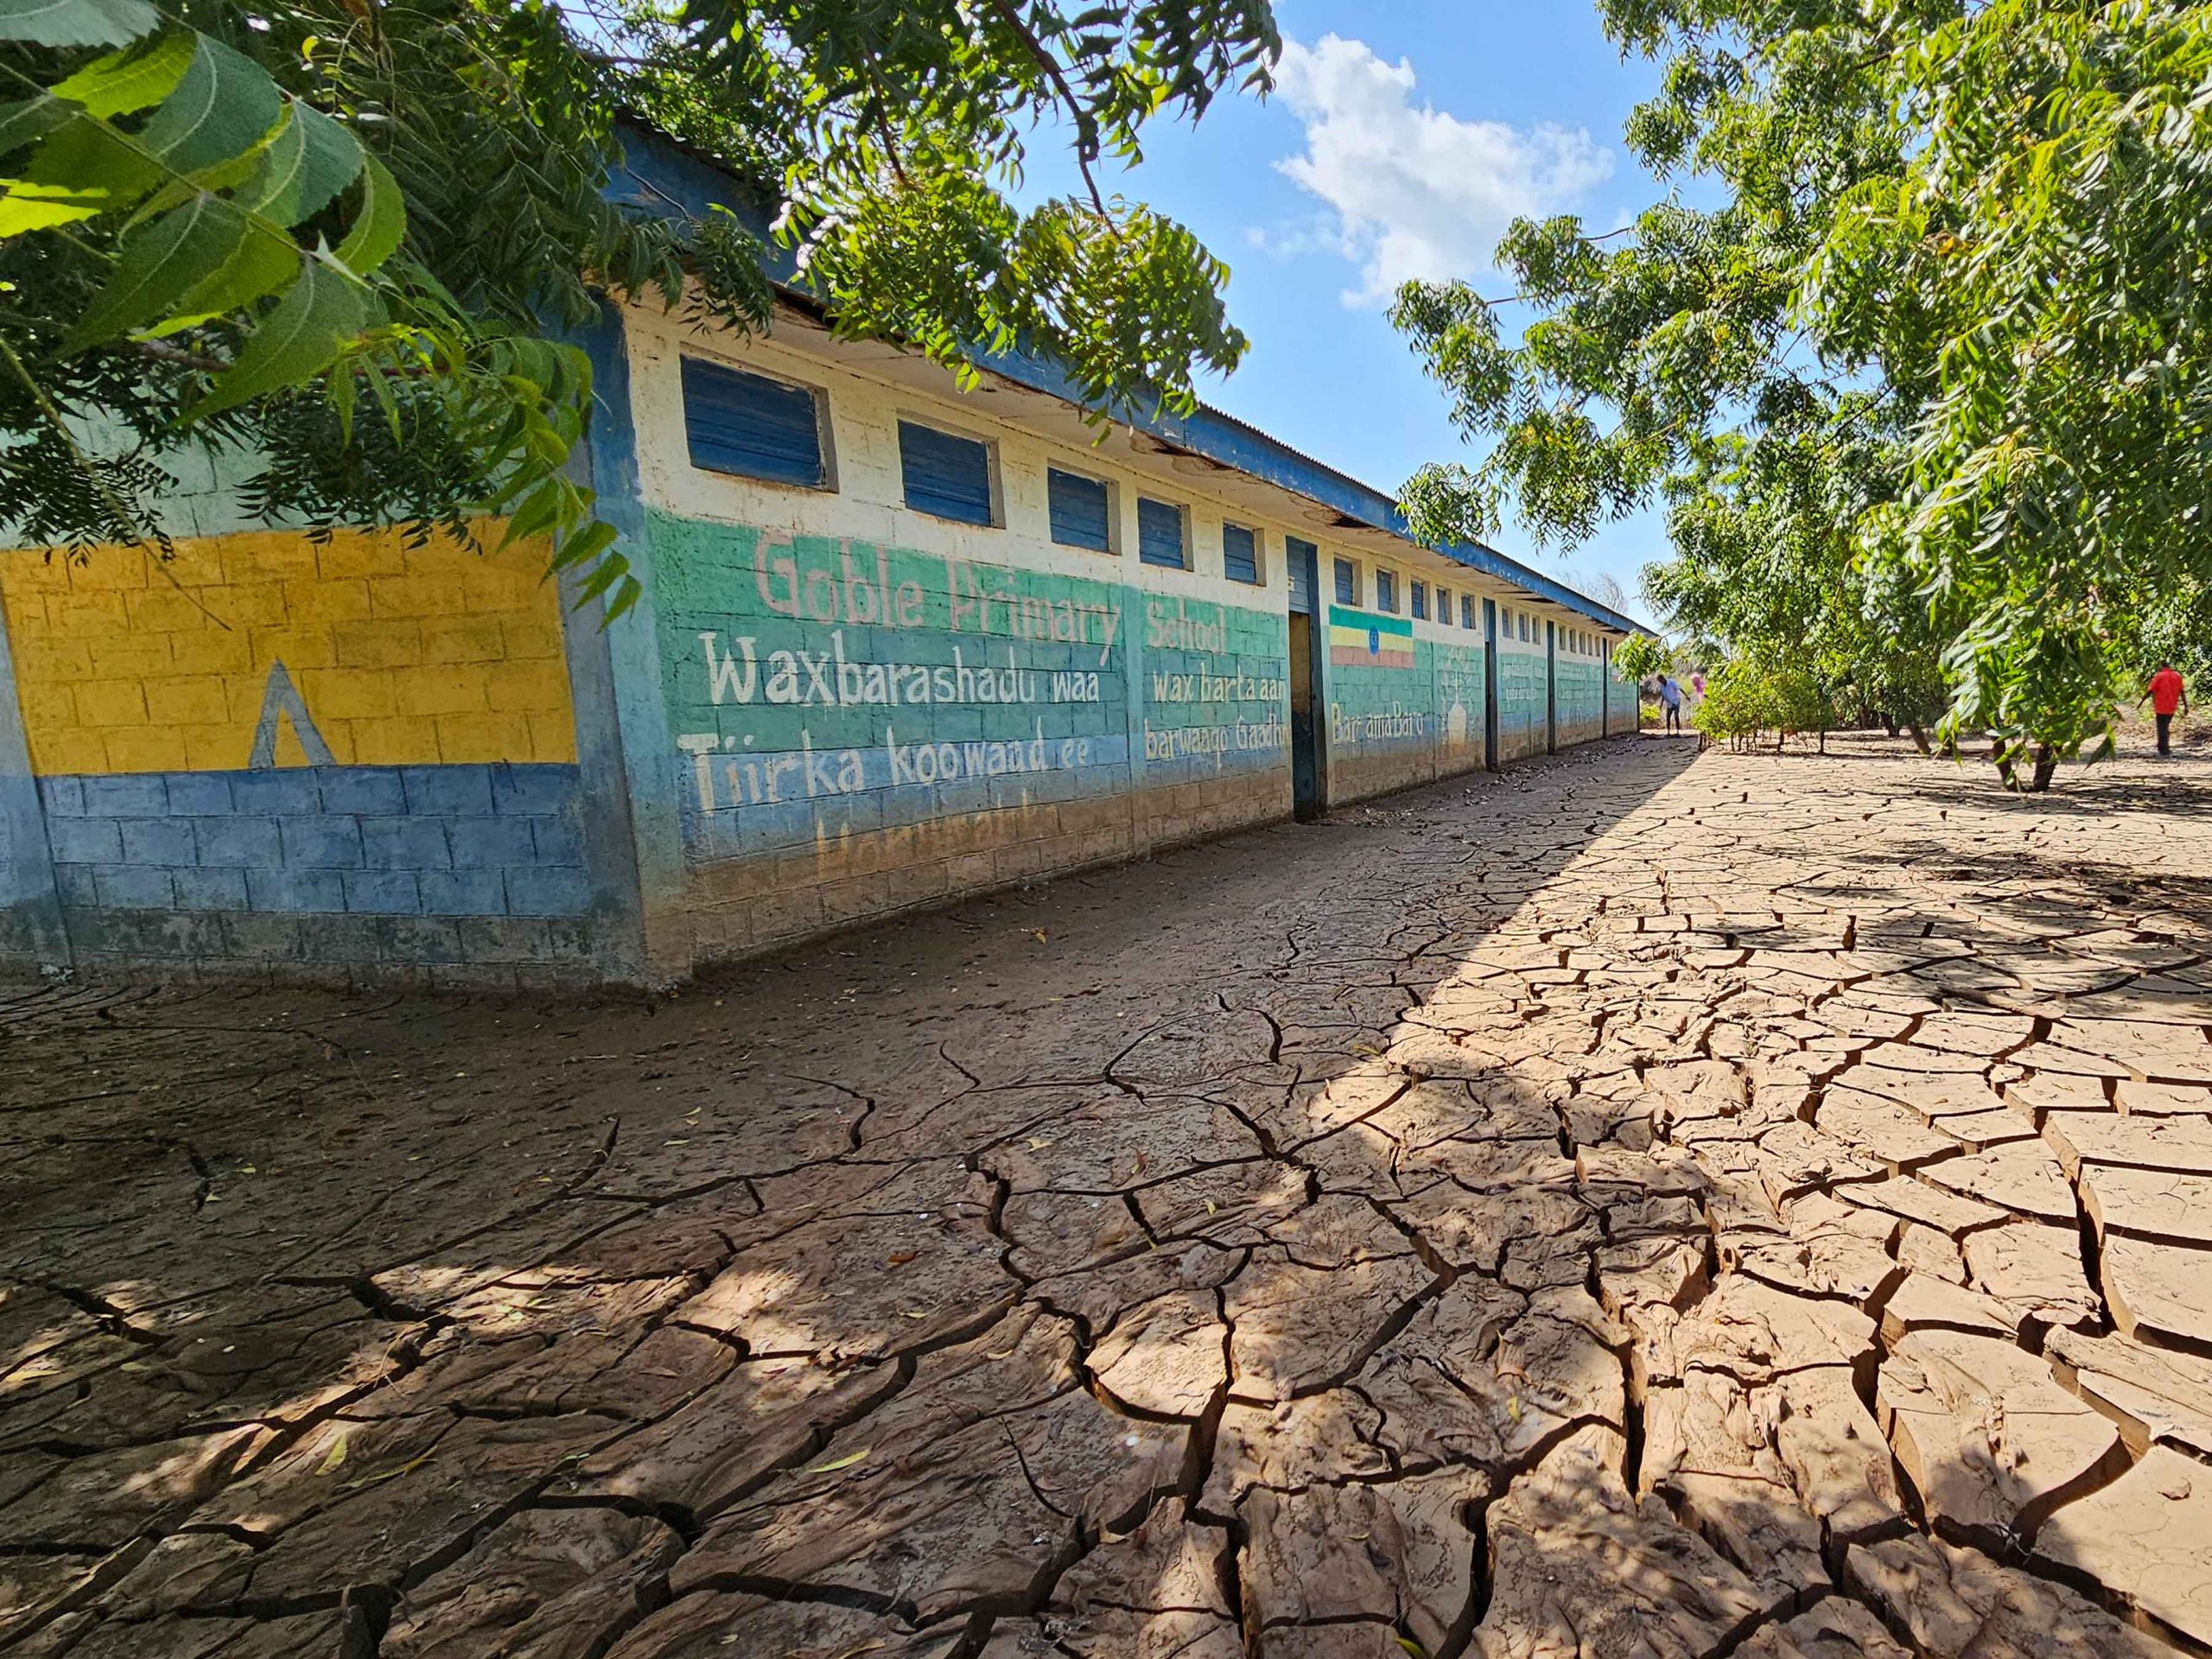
{"type": "Point", "coordinates": [1359, 640]}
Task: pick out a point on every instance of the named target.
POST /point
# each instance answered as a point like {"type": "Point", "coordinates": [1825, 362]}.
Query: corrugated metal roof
{"type": "Point", "coordinates": [662, 176]}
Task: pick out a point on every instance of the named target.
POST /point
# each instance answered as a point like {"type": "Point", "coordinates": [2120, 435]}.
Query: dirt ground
{"type": "Point", "coordinates": [1636, 1206]}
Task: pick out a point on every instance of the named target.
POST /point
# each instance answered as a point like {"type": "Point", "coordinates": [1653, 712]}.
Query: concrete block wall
{"type": "Point", "coordinates": [345, 757]}
{"type": "Point", "coordinates": [854, 708]}
{"type": "Point", "coordinates": [443, 867]}
{"type": "Point", "coordinates": [1523, 683]}
{"type": "Point", "coordinates": [357, 756]}
{"type": "Point", "coordinates": [1404, 697]}
{"type": "Point", "coordinates": [1578, 684]}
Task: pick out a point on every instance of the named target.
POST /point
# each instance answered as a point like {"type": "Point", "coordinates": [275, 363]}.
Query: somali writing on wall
{"type": "Point", "coordinates": [1523, 691]}
{"type": "Point", "coordinates": [820, 687]}
{"type": "Point", "coordinates": [1439, 701]}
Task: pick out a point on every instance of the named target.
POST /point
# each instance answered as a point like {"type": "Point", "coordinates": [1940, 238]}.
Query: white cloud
{"type": "Point", "coordinates": [1413, 192]}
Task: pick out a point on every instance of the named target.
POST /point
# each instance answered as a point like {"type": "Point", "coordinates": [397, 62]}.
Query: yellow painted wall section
{"type": "Point", "coordinates": [402, 655]}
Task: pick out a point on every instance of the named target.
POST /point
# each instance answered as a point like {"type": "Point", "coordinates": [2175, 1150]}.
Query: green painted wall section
{"type": "Point", "coordinates": [819, 687]}
{"type": "Point", "coordinates": [1522, 698]}
{"type": "Point", "coordinates": [1580, 688]}
{"type": "Point", "coordinates": [1386, 725]}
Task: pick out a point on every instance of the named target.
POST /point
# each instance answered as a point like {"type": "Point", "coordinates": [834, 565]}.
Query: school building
{"type": "Point", "coordinates": [898, 644]}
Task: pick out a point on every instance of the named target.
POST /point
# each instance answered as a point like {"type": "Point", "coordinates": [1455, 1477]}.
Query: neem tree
{"type": "Point", "coordinates": [344, 236]}
{"type": "Point", "coordinates": [1928, 394]}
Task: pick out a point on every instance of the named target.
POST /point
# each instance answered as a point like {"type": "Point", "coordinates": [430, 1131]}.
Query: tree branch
{"type": "Point", "coordinates": [1086, 144]}
{"type": "Point", "coordinates": [162, 352]}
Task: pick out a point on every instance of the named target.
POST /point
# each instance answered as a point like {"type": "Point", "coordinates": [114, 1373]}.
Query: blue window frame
{"type": "Point", "coordinates": [1444, 606]}
{"type": "Point", "coordinates": [1347, 582]}
{"type": "Point", "coordinates": [1385, 591]}
{"type": "Point", "coordinates": [1079, 509]}
{"type": "Point", "coordinates": [947, 477]}
{"type": "Point", "coordinates": [1240, 554]}
{"type": "Point", "coordinates": [1419, 592]}
{"type": "Point", "coordinates": [1466, 610]}
{"type": "Point", "coordinates": [751, 426]}
{"type": "Point", "coordinates": [1161, 539]}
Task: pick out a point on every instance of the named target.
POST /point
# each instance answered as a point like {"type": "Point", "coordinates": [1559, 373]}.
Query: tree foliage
{"type": "Point", "coordinates": [1927, 393]}
{"type": "Point", "coordinates": [348, 240]}
{"type": "Point", "coordinates": [1638, 657]}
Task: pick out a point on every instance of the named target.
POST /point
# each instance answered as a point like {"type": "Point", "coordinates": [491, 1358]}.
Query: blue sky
{"type": "Point", "coordinates": [1403, 137]}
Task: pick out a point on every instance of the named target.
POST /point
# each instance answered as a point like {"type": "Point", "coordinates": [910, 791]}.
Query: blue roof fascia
{"type": "Point", "coordinates": [661, 178]}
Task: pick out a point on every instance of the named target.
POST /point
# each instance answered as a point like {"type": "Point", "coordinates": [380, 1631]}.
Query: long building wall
{"type": "Point", "coordinates": [868, 708]}
{"type": "Point", "coordinates": [356, 755]}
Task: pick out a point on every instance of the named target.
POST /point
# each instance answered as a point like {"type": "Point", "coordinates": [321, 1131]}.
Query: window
{"type": "Point", "coordinates": [1466, 610]}
{"type": "Point", "coordinates": [1444, 606]}
{"type": "Point", "coordinates": [1419, 593]}
{"type": "Point", "coordinates": [947, 477]}
{"type": "Point", "coordinates": [1347, 582]}
{"type": "Point", "coordinates": [1505, 622]}
{"type": "Point", "coordinates": [1080, 511]}
{"type": "Point", "coordinates": [1524, 628]}
{"type": "Point", "coordinates": [1385, 591]}
{"type": "Point", "coordinates": [1240, 553]}
{"type": "Point", "coordinates": [1161, 539]}
{"type": "Point", "coordinates": [752, 426]}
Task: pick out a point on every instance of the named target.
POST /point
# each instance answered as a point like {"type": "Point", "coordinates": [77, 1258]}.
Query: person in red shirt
{"type": "Point", "coordinates": [2167, 697]}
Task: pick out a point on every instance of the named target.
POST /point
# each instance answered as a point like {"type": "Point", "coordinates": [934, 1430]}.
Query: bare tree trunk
{"type": "Point", "coordinates": [1919, 737]}
{"type": "Point", "coordinates": [2046, 766]}
{"type": "Point", "coordinates": [2002, 755]}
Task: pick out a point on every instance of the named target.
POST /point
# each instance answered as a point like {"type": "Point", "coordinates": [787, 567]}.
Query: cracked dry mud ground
{"type": "Point", "coordinates": [1632, 1206]}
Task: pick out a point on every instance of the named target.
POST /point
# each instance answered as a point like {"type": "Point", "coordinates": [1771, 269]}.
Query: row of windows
{"type": "Point", "coordinates": [755, 427]}
{"type": "Point", "coordinates": [1522, 624]}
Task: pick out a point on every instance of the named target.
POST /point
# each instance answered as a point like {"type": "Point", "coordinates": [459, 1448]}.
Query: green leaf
{"type": "Point", "coordinates": [308, 163]}
{"type": "Point", "coordinates": [224, 106]}
{"type": "Point", "coordinates": [585, 545]}
{"type": "Point", "coordinates": [86, 167]}
{"type": "Point", "coordinates": [156, 266]}
{"type": "Point", "coordinates": [133, 80]}
{"type": "Point", "coordinates": [77, 22]}
{"type": "Point", "coordinates": [379, 226]}
{"type": "Point", "coordinates": [296, 341]}
{"type": "Point", "coordinates": [30, 118]}
{"type": "Point", "coordinates": [263, 262]}
{"type": "Point", "coordinates": [539, 512]}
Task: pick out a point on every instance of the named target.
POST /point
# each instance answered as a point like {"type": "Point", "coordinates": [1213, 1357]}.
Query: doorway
{"type": "Point", "coordinates": [1491, 759]}
{"type": "Point", "coordinates": [1551, 688]}
{"type": "Point", "coordinates": [1309, 764]}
